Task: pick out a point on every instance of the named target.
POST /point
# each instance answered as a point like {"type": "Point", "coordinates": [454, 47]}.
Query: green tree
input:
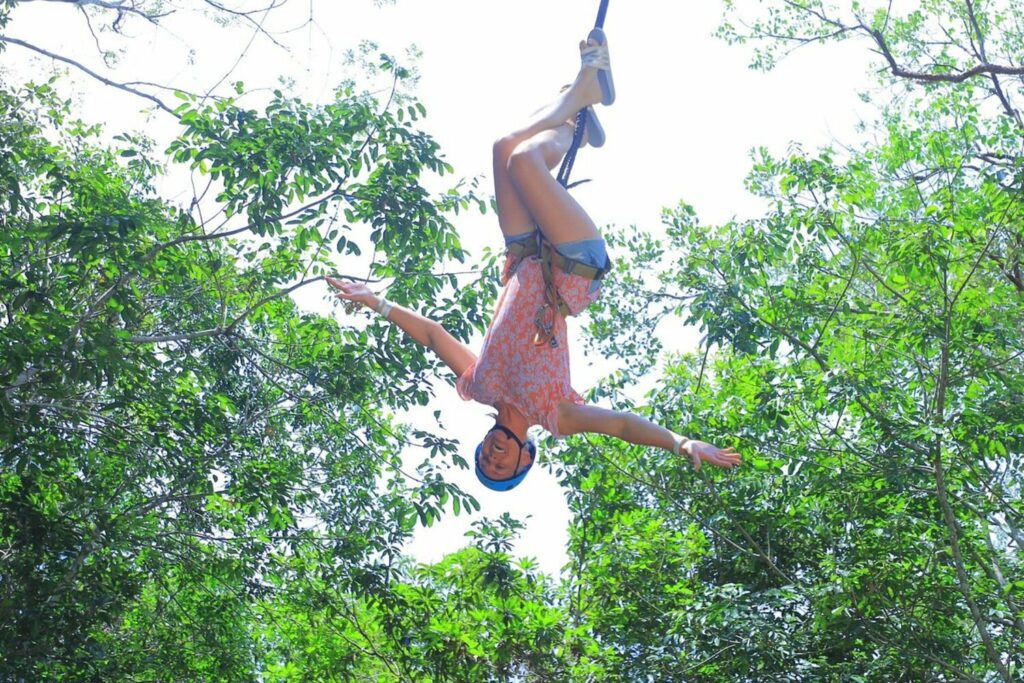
{"type": "Point", "coordinates": [475, 616]}
{"type": "Point", "coordinates": [863, 341]}
{"type": "Point", "coordinates": [200, 481]}
{"type": "Point", "coordinates": [178, 438]}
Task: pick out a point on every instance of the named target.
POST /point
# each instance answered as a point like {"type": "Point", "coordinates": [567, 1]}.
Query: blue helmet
{"type": "Point", "coordinates": [515, 479]}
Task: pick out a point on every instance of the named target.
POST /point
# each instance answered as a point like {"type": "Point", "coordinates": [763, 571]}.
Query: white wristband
{"type": "Point", "coordinates": [384, 307]}
{"type": "Point", "coordinates": [679, 443]}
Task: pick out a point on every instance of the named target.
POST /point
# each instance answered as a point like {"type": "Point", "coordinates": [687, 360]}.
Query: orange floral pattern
{"type": "Point", "coordinates": [511, 368]}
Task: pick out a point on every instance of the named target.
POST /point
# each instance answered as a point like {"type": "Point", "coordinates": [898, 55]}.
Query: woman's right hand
{"type": "Point", "coordinates": [356, 292]}
{"type": "Point", "coordinates": [702, 451]}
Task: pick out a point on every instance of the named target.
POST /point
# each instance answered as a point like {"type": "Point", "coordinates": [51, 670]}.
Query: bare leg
{"type": "Point", "coordinates": [523, 160]}
{"type": "Point", "coordinates": [583, 92]}
{"type": "Point", "coordinates": [559, 216]}
{"type": "Point", "coordinates": [550, 146]}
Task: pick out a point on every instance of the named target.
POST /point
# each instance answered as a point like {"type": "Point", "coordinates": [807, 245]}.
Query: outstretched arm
{"type": "Point", "coordinates": [427, 332]}
{"type": "Point", "coordinates": [576, 419]}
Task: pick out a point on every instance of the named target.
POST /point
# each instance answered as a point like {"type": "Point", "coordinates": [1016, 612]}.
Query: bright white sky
{"type": "Point", "coordinates": [687, 114]}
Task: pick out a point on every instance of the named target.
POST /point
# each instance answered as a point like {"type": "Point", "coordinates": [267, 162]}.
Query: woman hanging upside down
{"type": "Point", "coordinates": [523, 367]}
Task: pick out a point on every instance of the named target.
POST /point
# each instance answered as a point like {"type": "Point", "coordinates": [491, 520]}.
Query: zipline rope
{"type": "Point", "coordinates": [581, 119]}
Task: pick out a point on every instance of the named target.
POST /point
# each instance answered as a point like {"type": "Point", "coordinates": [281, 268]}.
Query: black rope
{"type": "Point", "coordinates": [601, 12]}
{"type": "Point", "coordinates": [581, 121]}
{"type": "Point", "coordinates": [570, 156]}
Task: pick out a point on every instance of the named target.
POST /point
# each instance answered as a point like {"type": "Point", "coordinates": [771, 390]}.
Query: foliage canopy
{"type": "Point", "coordinates": [201, 481]}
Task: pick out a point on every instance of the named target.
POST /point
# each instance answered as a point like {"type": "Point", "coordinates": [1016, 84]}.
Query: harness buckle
{"type": "Point", "coordinates": [549, 256]}
{"type": "Point", "coordinates": [545, 322]}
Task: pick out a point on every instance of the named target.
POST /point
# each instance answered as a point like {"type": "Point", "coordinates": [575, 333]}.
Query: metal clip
{"type": "Point", "coordinates": [545, 327]}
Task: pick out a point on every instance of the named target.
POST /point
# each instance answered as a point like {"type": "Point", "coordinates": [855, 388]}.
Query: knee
{"type": "Point", "coordinates": [503, 149]}
{"type": "Point", "coordinates": [527, 155]}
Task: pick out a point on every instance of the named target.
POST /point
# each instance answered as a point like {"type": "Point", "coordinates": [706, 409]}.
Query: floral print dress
{"type": "Point", "coordinates": [511, 368]}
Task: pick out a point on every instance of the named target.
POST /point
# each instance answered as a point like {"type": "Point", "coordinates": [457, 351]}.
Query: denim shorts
{"type": "Point", "coordinates": [592, 252]}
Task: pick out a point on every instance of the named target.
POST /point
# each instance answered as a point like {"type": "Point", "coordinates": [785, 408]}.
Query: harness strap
{"type": "Point", "coordinates": [549, 256]}
{"type": "Point", "coordinates": [521, 250]}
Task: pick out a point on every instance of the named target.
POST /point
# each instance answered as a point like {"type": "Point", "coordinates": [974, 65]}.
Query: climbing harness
{"type": "Point", "coordinates": [549, 256]}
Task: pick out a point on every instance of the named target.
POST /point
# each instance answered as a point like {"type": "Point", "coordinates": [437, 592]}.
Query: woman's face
{"type": "Point", "coordinates": [500, 454]}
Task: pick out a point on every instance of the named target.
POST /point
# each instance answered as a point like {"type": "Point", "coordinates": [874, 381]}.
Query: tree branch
{"type": "Point", "coordinates": [81, 67]}
{"type": "Point", "coordinates": [839, 301]}
{"type": "Point", "coordinates": [925, 77]}
{"type": "Point", "coordinates": [245, 51]}
{"type": "Point", "coordinates": [222, 329]}
{"type": "Point", "coordinates": [115, 6]}
{"type": "Point", "coordinates": [247, 15]}
{"type": "Point", "coordinates": [754, 549]}
{"type": "Point", "coordinates": [947, 510]}
{"type": "Point", "coordinates": [88, 23]}
{"type": "Point", "coordinates": [883, 421]}
{"type": "Point", "coordinates": [996, 85]}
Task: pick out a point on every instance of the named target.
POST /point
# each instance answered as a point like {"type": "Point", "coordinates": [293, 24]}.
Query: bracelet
{"type": "Point", "coordinates": [384, 307]}
{"type": "Point", "coordinates": [679, 443]}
